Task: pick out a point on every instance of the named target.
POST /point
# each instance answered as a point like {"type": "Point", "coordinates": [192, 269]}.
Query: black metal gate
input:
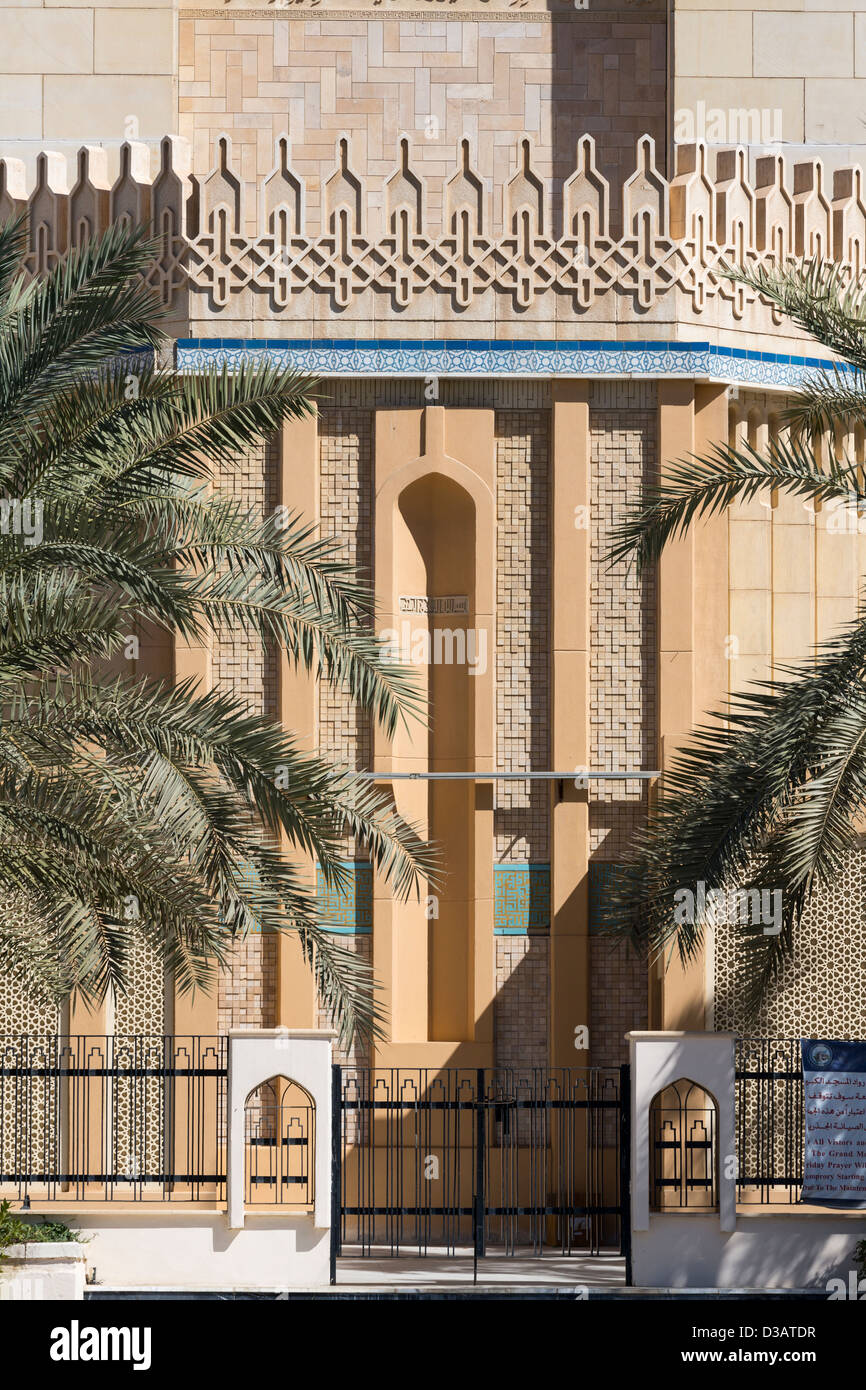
{"type": "Point", "coordinates": [465, 1161]}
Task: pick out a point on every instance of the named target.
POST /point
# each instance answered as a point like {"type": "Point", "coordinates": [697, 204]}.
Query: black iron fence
{"type": "Point", "coordinates": [684, 1161]}
{"type": "Point", "coordinates": [520, 1161]}
{"type": "Point", "coordinates": [123, 1118]}
{"type": "Point", "coordinates": [770, 1120]}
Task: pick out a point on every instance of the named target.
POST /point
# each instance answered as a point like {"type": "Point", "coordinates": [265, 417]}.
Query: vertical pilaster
{"type": "Point", "coordinates": [569, 597]}
{"type": "Point", "coordinates": [298, 492]}
{"type": "Point", "coordinates": [195, 1012]}
{"type": "Point", "coordinates": [469, 438]}
{"type": "Point", "coordinates": [676, 992]}
{"type": "Point", "coordinates": [711, 631]}
{"type": "Point", "coordinates": [400, 929]}
{"type": "Point", "coordinates": [676, 598]}
{"type": "Point", "coordinates": [710, 625]}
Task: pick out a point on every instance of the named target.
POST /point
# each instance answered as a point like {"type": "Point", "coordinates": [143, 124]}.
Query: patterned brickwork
{"type": "Point", "coordinates": [623, 434]}
{"type": "Point", "coordinates": [623, 439]}
{"type": "Point", "coordinates": [346, 513]}
{"type": "Point", "coordinates": [240, 663]}
{"type": "Point", "coordinates": [521, 815]}
{"type": "Point", "coordinates": [618, 999]}
{"type": "Point", "coordinates": [376, 77]}
{"type": "Point", "coordinates": [248, 986]}
{"type": "Point", "coordinates": [522, 809]}
{"type": "Point", "coordinates": [520, 1008]}
{"type": "Point", "coordinates": [822, 989]}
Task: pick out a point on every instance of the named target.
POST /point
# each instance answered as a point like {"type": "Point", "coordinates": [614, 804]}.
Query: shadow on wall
{"type": "Point", "coordinates": [609, 80]}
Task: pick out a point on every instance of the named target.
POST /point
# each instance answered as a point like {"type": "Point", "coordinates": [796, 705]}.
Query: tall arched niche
{"type": "Point", "coordinates": [434, 583]}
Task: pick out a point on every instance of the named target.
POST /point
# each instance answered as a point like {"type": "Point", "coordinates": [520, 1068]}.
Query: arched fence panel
{"type": "Point", "coordinates": [279, 1144]}
{"type": "Point", "coordinates": [683, 1158]}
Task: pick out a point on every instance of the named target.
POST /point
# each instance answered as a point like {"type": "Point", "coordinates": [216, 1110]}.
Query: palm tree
{"type": "Point", "coordinates": [769, 793]}
{"type": "Point", "coordinates": [127, 793]}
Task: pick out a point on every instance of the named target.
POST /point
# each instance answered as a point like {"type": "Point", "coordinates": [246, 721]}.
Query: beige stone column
{"type": "Point", "coordinates": [693, 622]}
{"type": "Point", "coordinates": [195, 1012]}
{"type": "Point", "coordinates": [710, 626]}
{"type": "Point", "coordinates": [298, 491]}
{"type": "Point", "coordinates": [569, 713]}
{"type": "Point", "coordinates": [400, 929]}
{"type": "Point", "coordinates": [675, 993]}
{"type": "Point", "coordinates": [470, 437]}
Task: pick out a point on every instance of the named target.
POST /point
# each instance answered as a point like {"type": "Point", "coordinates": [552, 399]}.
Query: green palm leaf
{"type": "Point", "coordinates": [768, 796]}
{"type": "Point", "coordinates": [132, 809]}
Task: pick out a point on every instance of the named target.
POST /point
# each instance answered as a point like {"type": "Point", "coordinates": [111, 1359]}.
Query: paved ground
{"type": "Point", "coordinates": [438, 1271]}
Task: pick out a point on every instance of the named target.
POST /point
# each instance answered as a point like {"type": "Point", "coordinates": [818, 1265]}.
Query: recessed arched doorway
{"type": "Point", "coordinates": [435, 560]}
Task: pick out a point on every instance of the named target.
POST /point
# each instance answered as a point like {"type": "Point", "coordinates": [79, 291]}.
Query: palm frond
{"type": "Point", "coordinates": [118, 791]}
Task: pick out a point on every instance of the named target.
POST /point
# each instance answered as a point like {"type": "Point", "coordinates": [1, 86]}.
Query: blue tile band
{"type": "Point", "coordinates": [504, 358]}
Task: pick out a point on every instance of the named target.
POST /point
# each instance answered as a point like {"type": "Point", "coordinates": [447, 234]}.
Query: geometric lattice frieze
{"type": "Point", "coordinates": [369, 248]}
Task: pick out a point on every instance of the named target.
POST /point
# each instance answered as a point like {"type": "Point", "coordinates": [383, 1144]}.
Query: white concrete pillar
{"type": "Point", "coordinates": [299, 1054]}
{"type": "Point", "coordinates": [657, 1060]}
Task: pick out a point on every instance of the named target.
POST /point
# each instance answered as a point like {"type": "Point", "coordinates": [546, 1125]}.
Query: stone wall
{"type": "Point", "coordinates": [522, 809]}
{"type": "Point", "coordinates": [748, 74]}
{"type": "Point", "coordinates": [87, 72]}
{"type": "Point", "coordinates": [486, 74]}
{"type": "Point", "coordinates": [346, 435]}
{"type": "Point", "coordinates": [623, 689]}
{"type": "Point", "coordinates": [346, 516]}
{"type": "Point", "coordinates": [247, 990]}
{"type": "Point", "coordinates": [521, 1008]}
{"type": "Point", "coordinates": [521, 817]}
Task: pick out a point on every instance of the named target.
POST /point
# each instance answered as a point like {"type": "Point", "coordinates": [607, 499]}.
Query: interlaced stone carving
{"type": "Point", "coordinates": [379, 238]}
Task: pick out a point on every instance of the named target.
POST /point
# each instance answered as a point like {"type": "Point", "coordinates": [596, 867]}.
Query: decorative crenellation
{"type": "Point", "coordinates": [372, 240]}
{"type": "Point", "coordinates": [63, 212]}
